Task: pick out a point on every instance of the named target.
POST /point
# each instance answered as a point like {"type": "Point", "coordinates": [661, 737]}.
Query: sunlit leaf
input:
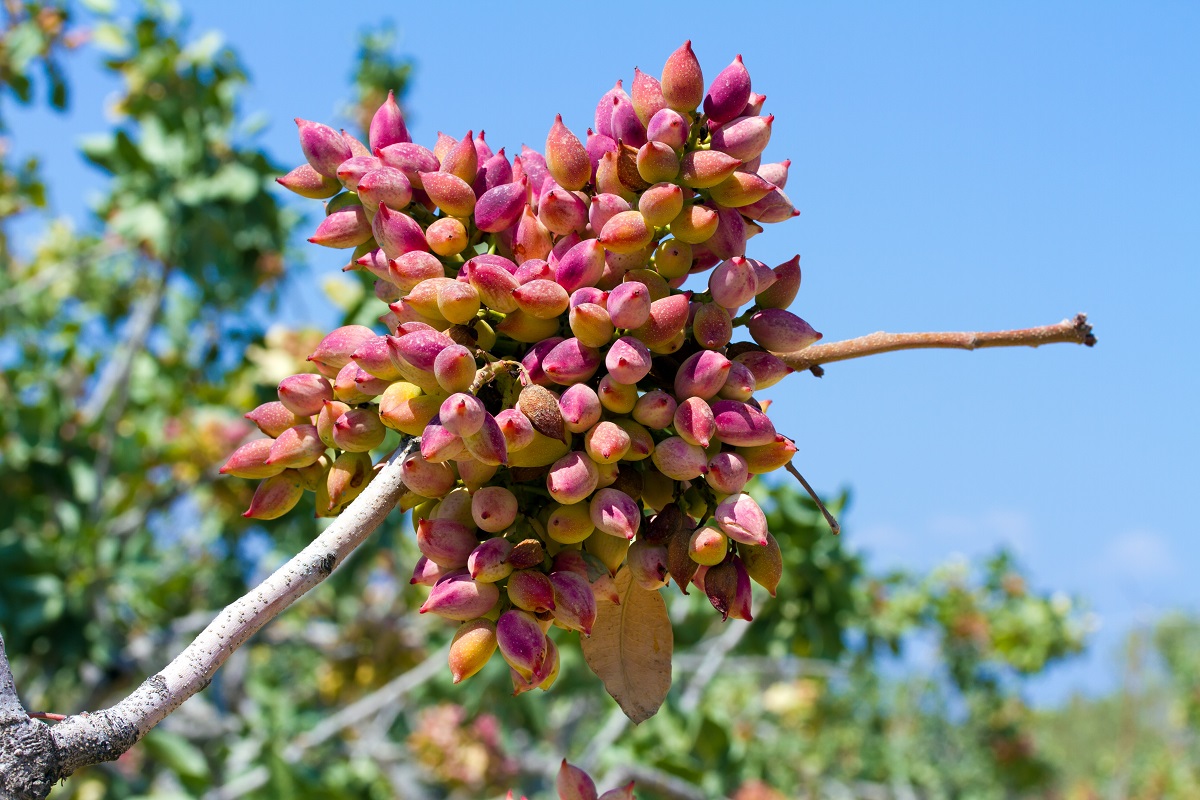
{"type": "Point", "coordinates": [110, 37]}
{"type": "Point", "coordinates": [180, 756]}
{"type": "Point", "coordinates": [204, 49]}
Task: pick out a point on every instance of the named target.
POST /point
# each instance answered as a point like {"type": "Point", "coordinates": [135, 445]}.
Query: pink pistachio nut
{"type": "Point", "coordinates": [516, 428]}
{"type": "Point", "coordinates": [574, 599]}
{"type": "Point", "coordinates": [446, 542]}
{"type": "Point", "coordinates": [741, 424]}
{"type": "Point", "coordinates": [487, 562]}
{"type": "Point", "coordinates": [580, 408]}
{"type": "Point", "coordinates": [500, 208]}
{"type": "Point", "coordinates": [628, 360]}
{"type": "Point", "coordinates": [781, 331]}
{"type": "Point", "coordinates": [728, 93]}
{"type": "Point", "coordinates": [580, 266]}
{"type": "Point", "coordinates": [572, 478]}
{"type": "Point", "coordinates": [459, 597]}
{"type": "Point", "coordinates": [603, 116]}
{"type": "Point", "coordinates": [566, 157]}
{"type": "Point", "coordinates": [487, 445]}
{"type": "Point", "coordinates": [324, 148]}
{"type": "Point", "coordinates": [494, 508]}
{"type": "Point", "coordinates": [571, 361]}
{"type": "Point", "coordinates": [387, 125]}
{"type": "Point", "coordinates": [655, 409]}
{"type": "Point", "coordinates": [739, 384]}
{"type": "Point", "coordinates": [615, 513]}
{"type": "Point", "coordinates": [742, 519]}
{"type": "Point", "coordinates": [694, 422]}
{"type": "Point", "coordinates": [679, 460]}
{"type": "Point", "coordinates": [531, 590]}
{"type": "Point", "coordinates": [411, 159]}
{"type": "Point", "coordinates": [701, 375]}
{"type": "Point", "coordinates": [783, 290]}
{"type": "Point", "coordinates": [426, 478]}
{"type": "Point", "coordinates": [682, 82]}
{"type": "Point", "coordinates": [727, 473]}
{"type": "Point", "coordinates": [521, 641]}
{"type": "Point", "coordinates": [743, 138]}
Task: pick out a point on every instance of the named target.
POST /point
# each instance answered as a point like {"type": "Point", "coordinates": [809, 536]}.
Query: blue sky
{"type": "Point", "coordinates": [958, 167]}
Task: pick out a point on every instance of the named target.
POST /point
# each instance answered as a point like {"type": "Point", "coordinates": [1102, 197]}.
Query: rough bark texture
{"type": "Point", "coordinates": [34, 756]}
{"type": "Point", "coordinates": [27, 752]}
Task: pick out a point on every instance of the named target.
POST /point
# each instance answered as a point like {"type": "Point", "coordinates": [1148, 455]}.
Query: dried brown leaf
{"type": "Point", "coordinates": [630, 648]}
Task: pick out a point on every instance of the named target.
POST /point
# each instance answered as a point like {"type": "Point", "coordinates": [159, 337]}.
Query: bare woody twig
{"type": "Point", "coordinates": [116, 372]}
{"type": "Point", "coordinates": [816, 498]}
{"type": "Point", "coordinates": [33, 757]}
{"type": "Point", "coordinates": [1076, 331]}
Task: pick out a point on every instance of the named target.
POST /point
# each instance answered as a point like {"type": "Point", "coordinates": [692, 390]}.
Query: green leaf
{"type": "Point", "coordinates": [24, 44]}
{"type": "Point", "coordinates": [237, 182]}
{"type": "Point", "coordinates": [36, 600]}
{"type": "Point", "coordinates": [83, 478]}
{"type": "Point", "coordinates": [180, 756]}
{"type": "Point", "coordinates": [100, 149]}
{"type": "Point", "coordinates": [142, 223]}
{"type": "Point", "coordinates": [202, 51]}
{"type": "Point", "coordinates": [161, 148]}
{"type": "Point", "coordinates": [343, 293]}
{"type": "Point", "coordinates": [110, 37]}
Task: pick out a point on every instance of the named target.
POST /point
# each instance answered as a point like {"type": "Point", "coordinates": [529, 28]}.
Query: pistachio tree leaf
{"type": "Point", "coordinates": [630, 648]}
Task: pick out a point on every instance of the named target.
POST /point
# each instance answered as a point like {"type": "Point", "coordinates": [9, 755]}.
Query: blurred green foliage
{"type": "Point", "coordinates": [120, 351]}
{"type": "Point", "coordinates": [1142, 741]}
{"type": "Point", "coordinates": [378, 69]}
{"type": "Point", "coordinates": [126, 342]}
{"type": "Point", "coordinates": [32, 40]}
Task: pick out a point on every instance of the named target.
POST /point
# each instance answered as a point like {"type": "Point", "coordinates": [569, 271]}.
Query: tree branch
{"type": "Point", "coordinates": [1076, 331]}
{"type": "Point", "coordinates": [33, 759]}
{"type": "Point", "coordinates": [26, 746]}
{"type": "Point", "coordinates": [116, 372]}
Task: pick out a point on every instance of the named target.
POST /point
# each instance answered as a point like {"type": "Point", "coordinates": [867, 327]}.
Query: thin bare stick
{"type": "Point", "coordinates": [32, 761]}
{"type": "Point", "coordinates": [116, 372]}
{"type": "Point", "coordinates": [1076, 331]}
{"type": "Point", "coordinates": [47, 715]}
{"type": "Point", "coordinates": [714, 656]}
{"type": "Point", "coordinates": [833, 523]}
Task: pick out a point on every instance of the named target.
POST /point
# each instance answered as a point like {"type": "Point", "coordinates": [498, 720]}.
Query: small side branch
{"type": "Point", "coordinates": [830, 520]}
{"type": "Point", "coordinates": [116, 372]}
{"type": "Point", "coordinates": [1073, 331]}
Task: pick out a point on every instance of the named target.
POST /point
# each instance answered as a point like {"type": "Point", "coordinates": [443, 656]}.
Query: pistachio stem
{"type": "Point", "coordinates": [833, 523]}
{"type": "Point", "coordinates": [1076, 331]}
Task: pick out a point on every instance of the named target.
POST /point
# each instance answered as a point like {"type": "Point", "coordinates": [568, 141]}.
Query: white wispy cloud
{"type": "Point", "coordinates": [942, 535]}
{"type": "Point", "coordinates": [1139, 554]}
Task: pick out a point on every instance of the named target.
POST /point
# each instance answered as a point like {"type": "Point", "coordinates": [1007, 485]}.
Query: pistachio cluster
{"type": "Point", "coordinates": [574, 409]}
